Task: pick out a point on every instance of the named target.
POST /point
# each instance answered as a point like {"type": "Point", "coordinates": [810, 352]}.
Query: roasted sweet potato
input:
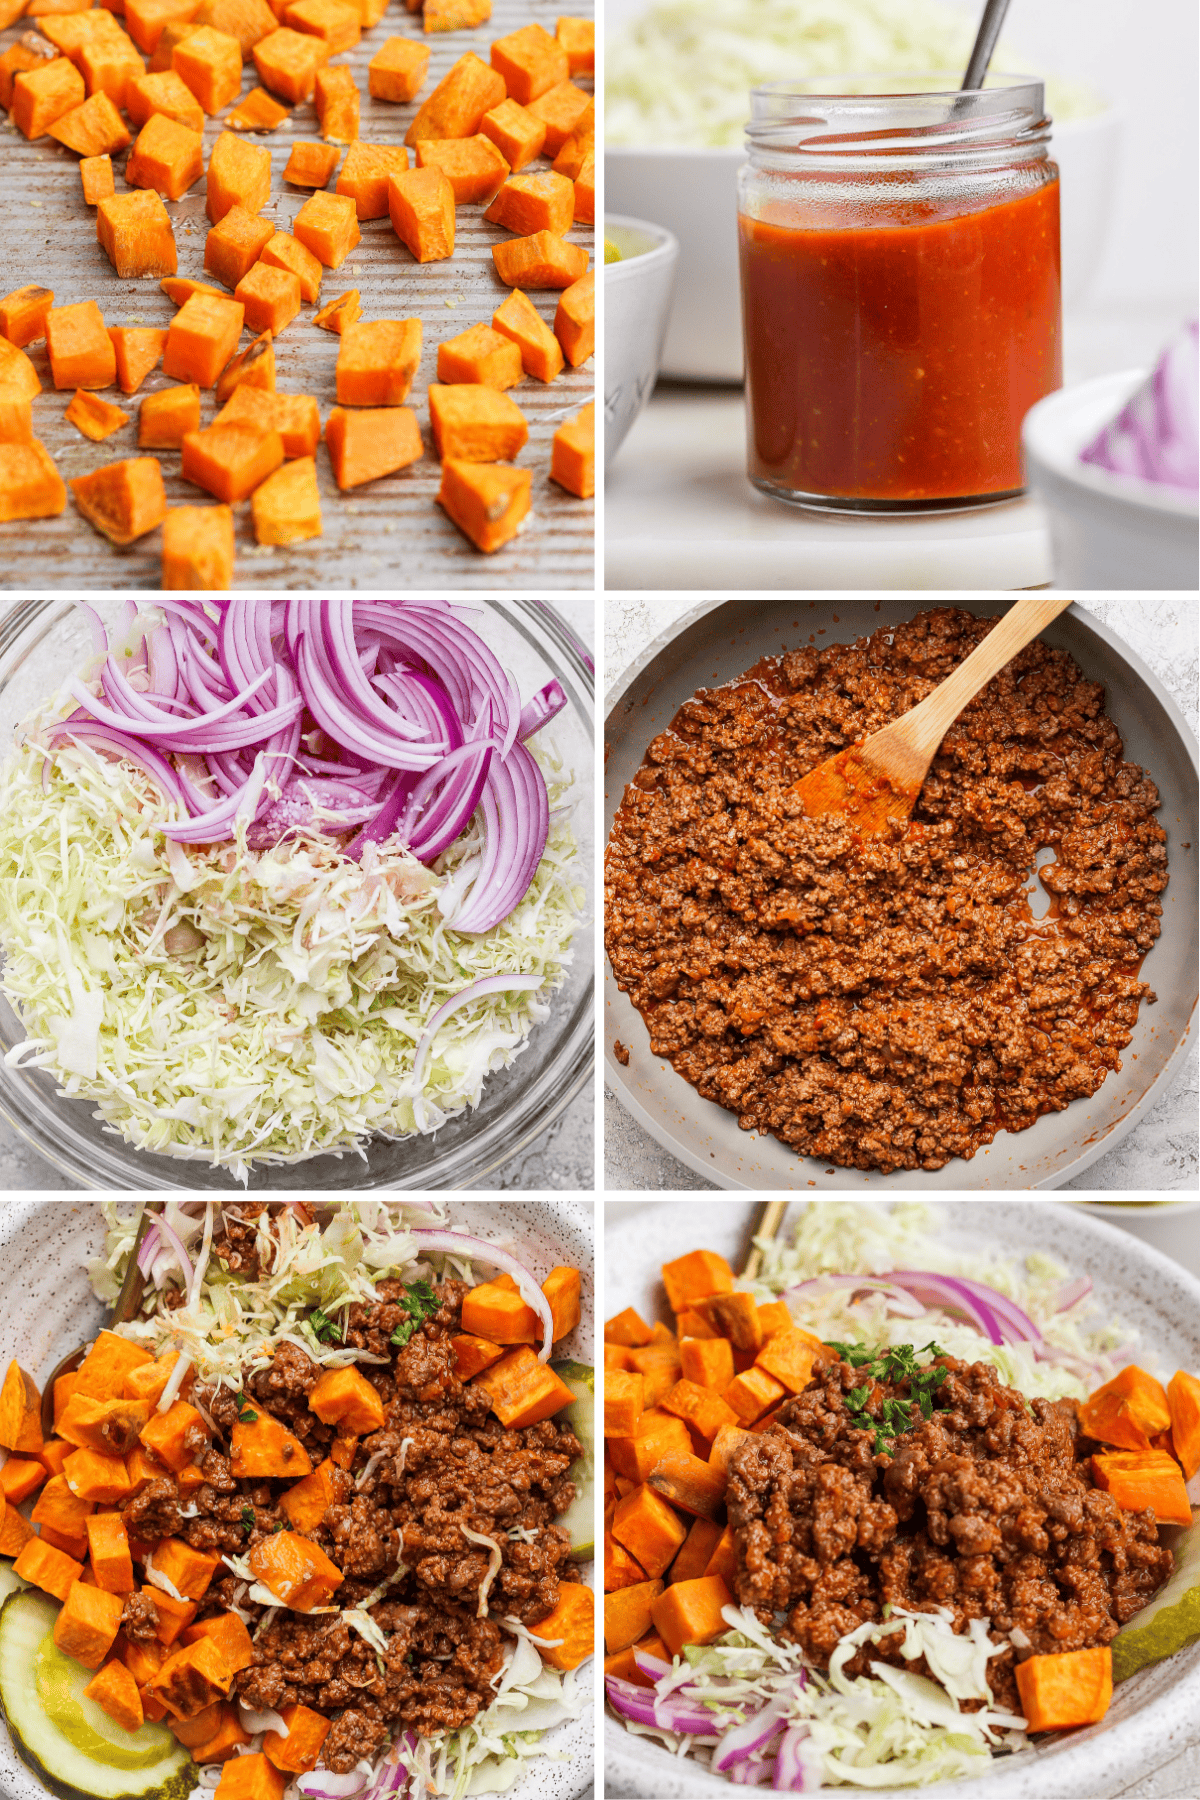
{"type": "Point", "coordinates": [572, 1623]}
{"type": "Point", "coordinates": [1058, 1692]}
{"type": "Point", "coordinates": [377, 362]}
{"type": "Point", "coordinates": [301, 1748]}
{"type": "Point", "coordinates": [457, 104]}
{"type": "Point", "coordinates": [87, 1626]}
{"type": "Point", "coordinates": [295, 1569]}
{"type": "Point", "coordinates": [487, 501]}
{"type": "Point", "coordinates": [627, 1615]}
{"type": "Point", "coordinates": [197, 547]}
{"type": "Point", "coordinates": [397, 70]}
{"type": "Point", "coordinates": [364, 445]}
{"type": "Point", "coordinates": [1127, 1411]}
{"type": "Point", "coordinates": [690, 1612]}
{"type": "Point", "coordinates": [523, 1391]}
{"type": "Point", "coordinates": [260, 1448]}
{"type": "Point", "coordinates": [1145, 1480]}
{"type": "Point", "coordinates": [116, 1692]}
{"type": "Point", "coordinates": [20, 1411]}
{"type": "Point", "coordinates": [472, 423]}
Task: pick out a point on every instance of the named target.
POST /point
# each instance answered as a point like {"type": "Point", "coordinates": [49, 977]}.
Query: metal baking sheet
{"type": "Point", "coordinates": [714, 644]}
{"type": "Point", "coordinates": [387, 534]}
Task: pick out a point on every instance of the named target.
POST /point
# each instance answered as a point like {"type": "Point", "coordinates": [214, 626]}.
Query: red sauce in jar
{"type": "Point", "coordinates": [894, 362]}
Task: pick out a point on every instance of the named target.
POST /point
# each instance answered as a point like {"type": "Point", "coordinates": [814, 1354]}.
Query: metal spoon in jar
{"type": "Point", "coordinates": [877, 781]}
{"type": "Point", "coordinates": [128, 1301]}
{"type": "Point", "coordinates": [985, 42]}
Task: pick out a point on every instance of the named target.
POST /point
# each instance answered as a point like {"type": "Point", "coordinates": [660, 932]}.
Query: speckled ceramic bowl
{"type": "Point", "coordinates": [1155, 1715]}
{"type": "Point", "coordinates": [47, 1308]}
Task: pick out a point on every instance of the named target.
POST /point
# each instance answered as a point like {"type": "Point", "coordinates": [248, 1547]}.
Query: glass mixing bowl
{"type": "Point", "coordinates": [41, 642]}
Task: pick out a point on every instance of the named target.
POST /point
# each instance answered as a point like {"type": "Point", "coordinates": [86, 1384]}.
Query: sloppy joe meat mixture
{"type": "Point", "coordinates": [987, 1508]}
{"type": "Point", "coordinates": [888, 1003]}
{"type": "Point", "coordinates": [442, 1461]}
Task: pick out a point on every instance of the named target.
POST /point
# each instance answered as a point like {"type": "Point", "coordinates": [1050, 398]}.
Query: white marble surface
{"type": "Point", "coordinates": [1160, 1153]}
{"type": "Point", "coordinates": [562, 1159]}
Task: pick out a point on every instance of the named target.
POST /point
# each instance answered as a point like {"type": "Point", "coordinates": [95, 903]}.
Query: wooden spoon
{"type": "Point", "coordinates": [767, 1221]}
{"type": "Point", "coordinates": [877, 781]}
{"type": "Point", "coordinates": [127, 1304]}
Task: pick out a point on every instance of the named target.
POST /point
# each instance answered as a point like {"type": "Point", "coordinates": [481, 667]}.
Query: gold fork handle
{"type": "Point", "coordinates": [770, 1218]}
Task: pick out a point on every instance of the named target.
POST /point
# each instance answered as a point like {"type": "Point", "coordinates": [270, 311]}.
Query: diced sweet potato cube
{"type": "Point", "coordinates": [364, 445]}
{"type": "Point", "coordinates": [306, 1502]}
{"type": "Point", "coordinates": [235, 244]}
{"type": "Point", "coordinates": [789, 1357]}
{"type": "Point", "coordinates": [197, 548]}
{"type": "Point", "coordinates": [135, 232]}
{"type": "Point", "coordinates": [575, 329]}
{"type": "Point", "coordinates": [230, 1636]}
{"type": "Point", "coordinates": [471, 1354]}
{"type": "Point", "coordinates": [164, 93]}
{"type": "Point", "coordinates": [285, 252]}
{"type": "Point", "coordinates": [377, 362]}
{"type": "Point", "coordinates": [30, 488]}
{"type": "Point", "coordinates": [1183, 1399]}
{"type": "Point", "coordinates": [210, 63]}
{"type": "Point", "coordinates": [246, 20]}
{"type": "Point", "coordinates": [108, 1546]}
{"type": "Point", "coordinates": [523, 1391]}
{"type": "Point", "coordinates": [166, 417]}
{"type": "Point", "coordinates": [43, 1566]}
{"type": "Point", "coordinates": [59, 1507]}
{"type": "Point", "coordinates": [397, 70]}
{"type": "Point", "coordinates": [18, 1478]}
{"type": "Point", "coordinates": [166, 157]}
{"type": "Point", "coordinates": [147, 19]}
{"type": "Point", "coordinates": [1061, 1691]}
{"type": "Point", "coordinates": [708, 1362]}
{"type": "Point", "coordinates": [1127, 1411]}
{"type": "Point", "coordinates": [95, 418]}
{"type": "Point", "coordinates": [497, 1310]}
{"type": "Point", "coordinates": [231, 460]}
{"type": "Point", "coordinates": [19, 57]}
{"type": "Point", "coordinates": [239, 174]}
{"type": "Point", "coordinates": [257, 112]}
{"type": "Point", "coordinates": [658, 1432]}
{"type": "Point", "coordinates": [578, 39]}
{"type": "Point", "coordinates": [337, 100]}
{"type": "Point", "coordinates": [310, 165]}
{"type": "Point", "coordinates": [541, 261]}
{"type": "Point", "coordinates": [201, 339]}
{"type": "Point", "coordinates": [189, 1571]}
{"type": "Point", "coordinates": [585, 193]}
{"type": "Point", "coordinates": [20, 1401]}
{"type": "Point", "coordinates": [531, 62]}
{"type": "Point", "coordinates": [689, 1484]}
{"type": "Point", "coordinates": [287, 63]}
{"type": "Point", "coordinates": [296, 1569]}
{"type": "Point", "coordinates": [659, 1366]}
{"type": "Point", "coordinates": [1145, 1480]}
{"type": "Point", "coordinates": [690, 1612]}
{"type": "Point", "coordinates": [487, 501]}
{"type": "Point", "coordinates": [724, 1444]}
{"type": "Point", "coordinates": [287, 507]}
{"type": "Point", "coordinates": [472, 423]}
{"type": "Point", "coordinates": [260, 1448]}
{"type": "Point", "coordinates": [752, 1394]}
{"type": "Point", "coordinates": [93, 129]}
{"type": "Point", "coordinates": [568, 1633]}
{"type": "Point", "coordinates": [346, 1398]}
{"type": "Point", "coordinates": [774, 1317]}
{"type": "Point", "coordinates": [124, 501]}
{"type": "Point", "coordinates": [23, 321]}
{"type": "Point", "coordinates": [176, 1435]}
{"type": "Point", "coordinates": [179, 290]}
{"type": "Point", "coordinates": [336, 23]}
{"type": "Point", "coordinates": [695, 1277]}
{"type": "Point", "coordinates": [703, 1410]}
{"type": "Point", "coordinates": [116, 1692]}
{"type": "Point", "coordinates": [271, 297]}
{"type": "Point", "coordinates": [473, 166]}
{"type": "Point", "coordinates": [250, 1778]}
{"type": "Point", "coordinates": [649, 1529]}
{"type": "Point", "coordinates": [363, 176]}
{"type": "Point", "coordinates": [560, 109]}
{"type": "Point", "coordinates": [562, 1285]}
{"type": "Point", "coordinates": [138, 350]}
{"type": "Point", "coordinates": [300, 1749]}
{"type": "Point", "coordinates": [192, 1678]}
{"type": "Point", "coordinates": [88, 1624]}
{"type": "Point", "coordinates": [696, 1552]}
{"type": "Point", "coordinates": [421, 206]}
{"type": "Point", "coordinates": [81, 352]}
{"type": "Point", "coordinates": [327, 225]}
{"type": "Point", "coordinates": [455, 15]}
{"type": "Point", "coordinates": [253, 367]}
{"type": "Point", "coordinates": [43, 94]}
{"type": "Point", "coordinates": [627, 1614]}
{"type": "Point", "coordinates": [541, 353]}
{"type": "Point", "coordinates": [516, 133]}
{"type": "Point", "coordinates": [578, 147]}
{"type": "Point", "coordinates": [624, 1402]}
{"type": "Point", "coordinates": [457, 104]}
{"type": "Point", "coordinates": [101, 1374]}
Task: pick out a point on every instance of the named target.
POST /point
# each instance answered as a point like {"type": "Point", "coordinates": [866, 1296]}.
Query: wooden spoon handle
{"type": "Point", "coordinates": [770, 1218]}
{"type": "Point", "coordinates": [927, 724]}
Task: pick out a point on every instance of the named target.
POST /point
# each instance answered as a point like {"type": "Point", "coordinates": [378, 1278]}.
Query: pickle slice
{"type": "Point", "coordinates": [1169, 1621]}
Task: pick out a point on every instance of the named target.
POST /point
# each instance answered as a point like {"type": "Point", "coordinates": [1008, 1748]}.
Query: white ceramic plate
{"type": "Point", "coordinates": [1154, 1715]}
{"type": "Point", "coordinates": [49, 1308]}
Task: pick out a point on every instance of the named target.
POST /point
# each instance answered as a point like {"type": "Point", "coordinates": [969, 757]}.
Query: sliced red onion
{"type": "Point", "coordinates": [491, 984]}
{"type": "Point", "coordinates": [457, 1243]}
{"type": "Point", "coordinates": [147, 1248]}
{"type": "Point", "coordinates": [749, 1774]}
{"type": "Point", "coordinates": [742, 1741]}
{"type": "Point", "coordinates": [653, 1666]}
{"type": "Point", "coordinates": [791, 1774]}
{"type": "Point", "coordinates": [322, 1784]}
{"type": "Point", "coordinates": [176, 1242]}
{"type": "Point", "coordinates": [1072, 1292]}
{"type": "Point", "coordinates": [539, 711]}
{"type": "Point", "coordinates": [95, 626]}
{"type": "Point", "coordinates": [672, 1714]}
{"type": "Point", "coordinates": [898, 1301]}
{"type": "Point", "coordinates": [149, 761]}
{"type": "Point", "coordinates": [991, 1313]}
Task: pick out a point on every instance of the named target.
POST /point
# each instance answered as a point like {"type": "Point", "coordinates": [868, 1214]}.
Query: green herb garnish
{"type": "Point", "coordinates": [420, 1303]}
{"type": "Point", "coordinates": [324, 1329]}
{"type": "Point", "coordinates": [246, 1413]}
{"type": "Point", "coordinates": [248, 1518]}
{"type": "Point", "coordinates": [897, 1364]}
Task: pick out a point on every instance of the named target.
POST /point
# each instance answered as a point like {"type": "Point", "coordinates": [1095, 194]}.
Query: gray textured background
{"type": "Point", "coordinates": [562, 1158]}
{"type": "Point", "coordinates": [1161, 1151]}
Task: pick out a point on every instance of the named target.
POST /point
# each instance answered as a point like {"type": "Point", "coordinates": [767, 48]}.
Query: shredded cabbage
{"type": "Point", "coordinates": [487, 1756]}
{"type": "Point", "coordinates": [239, 1007]}
{"type": "Point", "coordinates": [681, 74]}
{"type": "Point", "coordinates": [838, 1237]}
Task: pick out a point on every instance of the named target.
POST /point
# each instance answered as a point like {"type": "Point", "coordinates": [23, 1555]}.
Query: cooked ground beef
{"type": "Point", "coordinates": [987, 1508]}
{"type": "Point", "coordinates": [139, 1617]}
{"type": "Point", "coordinates": [444, 1462]}
{"type": "Point", "coordinates": [888, 1003]}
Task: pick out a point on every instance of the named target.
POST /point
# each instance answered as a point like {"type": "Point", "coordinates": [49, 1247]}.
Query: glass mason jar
{"type": "Point", "coordinates": [900, 290]}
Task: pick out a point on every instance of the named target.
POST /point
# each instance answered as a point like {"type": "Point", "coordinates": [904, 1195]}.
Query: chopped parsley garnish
{"type": "Point", "coordinates": [324, 1329]}
{"type": "Point", "coordinates": [897, 1364]}
{"type": "Point", "coordinates": [246, 1413]}
{"type": "Point", "coordinates": [249, 1519]}
{"type": "Point", "coordinates": [420, 1303]}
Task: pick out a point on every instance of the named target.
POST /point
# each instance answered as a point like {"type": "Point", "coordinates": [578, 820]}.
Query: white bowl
{"type": "Point", "coordinates": [49, 1309]}
{"type": "Point", "coordinates": [694, 194]}
{"type": "Point", "coordinates": [637, 300]}
{"type": "Point", "coordinates": [1106, 531]}
{"type": "Point", "coordinates": [1154, 1714]}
